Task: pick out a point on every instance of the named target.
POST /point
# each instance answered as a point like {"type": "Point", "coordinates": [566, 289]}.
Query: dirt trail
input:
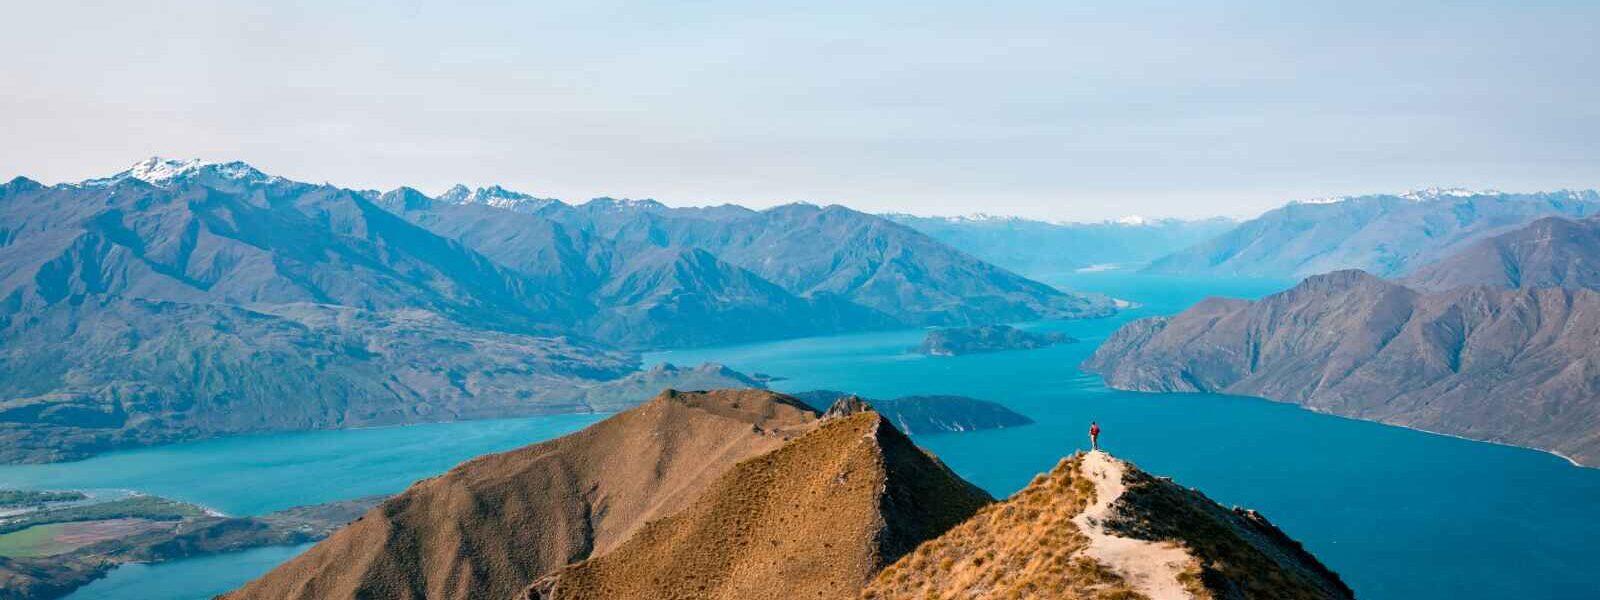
{"type": "Point", "coordinates": [1152, 568]}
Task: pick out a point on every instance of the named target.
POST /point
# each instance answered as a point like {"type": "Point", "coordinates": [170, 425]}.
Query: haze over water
{"type": "Point", "coordinates": [1398, 513]}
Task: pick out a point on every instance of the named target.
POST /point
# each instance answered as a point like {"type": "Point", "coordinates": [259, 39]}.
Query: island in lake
{"type": "Point", "coordinates": [955, 341]}
{"type": "Point", "coordinates": [54, 542]}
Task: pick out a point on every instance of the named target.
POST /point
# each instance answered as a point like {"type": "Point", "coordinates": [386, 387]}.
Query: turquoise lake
{"type": "Point", "coordinates": [1398, 513]}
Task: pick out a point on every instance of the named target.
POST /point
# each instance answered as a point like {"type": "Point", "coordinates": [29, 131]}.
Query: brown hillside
{"type": "Point", "coordinates": [1097, 527]}
{"type": "Point", "coordinates": [815, 519]}
{"type": "Point", "coordinates": [1509, 366]}
{"type": "Point", "coordinates": [490, 526]}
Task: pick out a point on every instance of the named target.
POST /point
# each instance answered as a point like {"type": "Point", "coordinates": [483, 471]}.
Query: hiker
{"type": "Point", "coordinates": [1094, 435]}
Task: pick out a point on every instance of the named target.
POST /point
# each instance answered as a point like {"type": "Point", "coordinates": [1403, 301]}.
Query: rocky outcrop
{"type": "Point", "coordinates": [924, 415]}
{"type": "Point", "coordinates": [845, 406]}
{"type": "Point", "coordinates": [1510, 366]}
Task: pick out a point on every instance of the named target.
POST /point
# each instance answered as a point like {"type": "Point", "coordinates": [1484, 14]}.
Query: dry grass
{"type": "Point", "coordinates": [492, 525]}
{"type": "Point", "coordinates": [1029, 547]}
{"type": "Point", "coordinates": [1025, 547]}
{"type": "Point", "coordinates": [814, 519]}
{"type": "Point", "coordinates": [1240, 554]}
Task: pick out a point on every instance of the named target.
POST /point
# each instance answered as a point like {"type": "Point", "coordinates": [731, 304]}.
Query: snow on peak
{"type": "Point", "coordinates": [163, 172]}
{"type": "Point", "coordinates": [626, 203]}
{"type": "Point", "coordinates": [981, 217]}
{"type": "Point", "coordinates": [494, 196]}
{"type": "Point", "coordinates": [1132, 220]}
{"type": "Point", "coordinates": [457, 194]}
{"type": "Point", "coordinates": [160, 170]}
{"type": "Point", "coordinates": [1322, 200]}
{"type": "Point", "coordinates": [1435, 193]}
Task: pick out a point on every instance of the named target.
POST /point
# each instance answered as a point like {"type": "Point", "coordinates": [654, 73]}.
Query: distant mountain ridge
{"type": "Point", "coordinates": [1516, 366]}
{"type": "Point", "coordinates": [1040, 248]}
{"type": "Point", "coordinates": [1550, 252]}
{"type": "Point", "coordinates": [222, 299]}
{"type": "Point", "coordinates": [695, 276]}
{"type": "Point", "coordinates": [1386, 235]}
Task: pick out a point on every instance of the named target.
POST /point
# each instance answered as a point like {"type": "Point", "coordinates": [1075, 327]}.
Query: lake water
{"type": "Point", "coordinates": [1398, 513]}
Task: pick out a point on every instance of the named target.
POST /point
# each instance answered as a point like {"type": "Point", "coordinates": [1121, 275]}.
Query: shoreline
{"type": "Point", "coordinates": [1557, 454]}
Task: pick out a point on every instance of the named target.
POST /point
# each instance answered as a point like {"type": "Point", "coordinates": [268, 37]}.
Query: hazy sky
{"type": "Point", "coordinates": [1043, 109]}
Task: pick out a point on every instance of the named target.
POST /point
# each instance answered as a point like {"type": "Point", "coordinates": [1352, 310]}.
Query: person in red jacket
{"type": "Point", "coordinates": [1094, 435]}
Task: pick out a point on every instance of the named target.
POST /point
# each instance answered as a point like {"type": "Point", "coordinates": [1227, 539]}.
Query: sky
{"type": "Point", "coordinates": [1053, 110]}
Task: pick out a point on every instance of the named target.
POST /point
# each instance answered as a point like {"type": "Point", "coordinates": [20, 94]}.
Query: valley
{"type": "Point", "coordinates": [183, 300]}
{"type": "Point", "coordinates": [182, 319]}
{"type": "Point", "coordinates": [1418, 499]}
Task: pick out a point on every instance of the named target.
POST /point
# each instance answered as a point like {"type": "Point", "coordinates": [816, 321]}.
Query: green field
{"type": "Point", "coordinates": [22, 498]}
{"type": "Point", "coordinates": [135, 507]}
{"type": "Point", "coordinates": [39, 540]}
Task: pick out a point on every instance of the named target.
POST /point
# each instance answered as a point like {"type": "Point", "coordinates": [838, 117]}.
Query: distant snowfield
{"type": "Point", "coordinates": [1099, 268]}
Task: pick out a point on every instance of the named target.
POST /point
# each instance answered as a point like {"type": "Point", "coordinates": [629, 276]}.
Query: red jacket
{"type": "Point", "coordinates": [1094, 430]}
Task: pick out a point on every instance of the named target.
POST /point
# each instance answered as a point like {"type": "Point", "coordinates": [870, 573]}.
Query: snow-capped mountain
{"type": "Point", "coordinates": [495, 196]}
{"type": "Point", "coordinates": [1422, 195]}
{"type": "Point", "coordinates": [163, 172]}
{"type": "Point", "coordinates": [1436, 193]}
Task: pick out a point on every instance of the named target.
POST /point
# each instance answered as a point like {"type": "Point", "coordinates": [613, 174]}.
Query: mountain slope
{"type": "Point", "coordinates": [1550, 252]}
{"type": "Point", "coordinates": [814, 519]}
{"type": "Point", "coordinates": [488, 527]}
{"type": "Point", "coordinates": [687, 297]}
{"type": "Point", "coordinates": [748, 495]}
{"type": "Point", "coordinates": [1382, 234]}
{"type": "Point", "coordinates": [205, 236]}
{"type": "Point", "coordinates": [184, 299]}
{"type": "Point", "coordinates": [513, 235]}
{"type": "Point", "coordinates": [1039, 249]}
{"type": "Point", "coordinates": [107, 373]}
{"type": "Point", "coordinates": [1097, 527]}
{"type": "Point", "coordinates": [865, 259]}
{"type": "Point", "coordinates": [1512, 366]}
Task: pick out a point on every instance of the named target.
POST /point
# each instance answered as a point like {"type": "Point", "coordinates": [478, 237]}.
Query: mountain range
{"type": "Point", "coordinates": [751, 494]}
{"type": "Point", "coordinates": [1043, 249]}
{"type": "Point", "coordinates": [1386, 235]}
{"type": "Point", "coordinates": [185, 299]}
{"type": "Point", "coordinates": [1550, 252]}
{"type": "Point", "coordinates": [683, 276]}
{"type": "Point", "coordinates": [1516, 366]}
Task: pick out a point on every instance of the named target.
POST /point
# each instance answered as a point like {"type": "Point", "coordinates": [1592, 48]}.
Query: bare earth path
{"type": "Point", "coordinates": [1152, 568]}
